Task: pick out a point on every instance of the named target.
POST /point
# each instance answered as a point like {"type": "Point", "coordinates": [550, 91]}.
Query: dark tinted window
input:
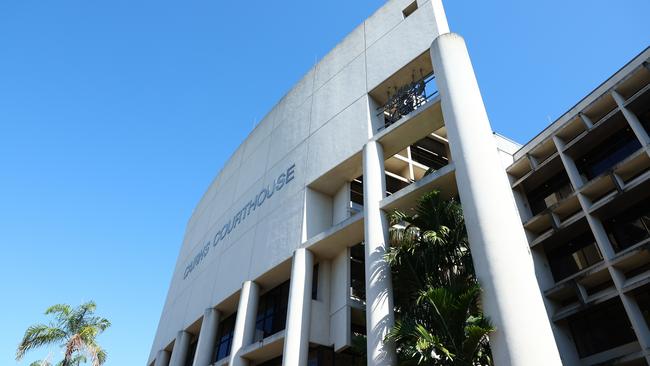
{"type": "Point", "coordinates": [629, 227]}
{"type": "Point", "coordinates": [358, 272]}
{"type": "Point", "coordinates": [191, 353]}
{"type": "Point", "coordinates": [600, 328]}
{"type": "Point", "coordinates": [549, 193]}
{"type": "Point", "coordinates": [608, 153]}
{"type": "Point", "coordinates": [272, 312]}
{"type": "Point", "coordinates": [575, 255]}
{"type": "Point", "coordinates": [224, 337]}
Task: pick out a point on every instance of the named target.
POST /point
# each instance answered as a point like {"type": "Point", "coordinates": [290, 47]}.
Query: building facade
{"type": "Point", "coordinates": [584, 193]}
{"type": "Point", "coordinates": [282, 261]}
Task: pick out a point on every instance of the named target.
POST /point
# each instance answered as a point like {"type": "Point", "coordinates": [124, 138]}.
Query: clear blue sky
{"type": "Point", "coordinates": [116, 115]}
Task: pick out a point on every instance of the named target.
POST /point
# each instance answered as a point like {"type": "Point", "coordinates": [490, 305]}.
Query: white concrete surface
{"type": "Point", "coordinates": [499, 246]}
{"type": "Point", "coordinates": [207, 338]}
{"type": "Point", "coordinates": [245, 322]}
{"type": "Point", "coordinates": [379, 291]}
{"type": "Point", "coordinates": [296, 344]}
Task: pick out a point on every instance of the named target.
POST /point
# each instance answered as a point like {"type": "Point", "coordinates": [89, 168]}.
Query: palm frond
{"type": "Point", "coordinates": [39, 335]}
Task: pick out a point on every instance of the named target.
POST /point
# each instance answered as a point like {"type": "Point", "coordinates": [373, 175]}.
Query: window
{"type": "Point", "coordinates": [358, 272]}
{"type": "Point", "coordinates": [600, 328]}
{"type": "Point", "coordinates": [554, 190]}
{"type": "Point", "coordinates": [191, 352]}
{"type": "Point", "coordinates": [608, 153]}
{"type": "Point", "coordinates": [224, 337]}
{"type": "Point", "coordinates": [568, 258]}
{"type": "Point", "coordinates": [410, 9]}
{"type": "Point", "coordinates": [630, 227]}
{"type": "Point", "coordinates": [314, 283]}
{"type": "Point", "coordinates": [272, 312]}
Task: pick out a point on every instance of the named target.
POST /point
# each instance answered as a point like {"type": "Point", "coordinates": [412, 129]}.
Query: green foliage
{"type": "Point", "coordinates": [75, 330]}
{"type": "Point", "coordinates": [439, 318]}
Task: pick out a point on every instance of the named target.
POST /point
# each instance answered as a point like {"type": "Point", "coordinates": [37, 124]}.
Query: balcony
{"type": "Point", "coordinates": [401, 101]}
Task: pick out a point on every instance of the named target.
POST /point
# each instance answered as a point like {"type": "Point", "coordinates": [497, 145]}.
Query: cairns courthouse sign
{"type": "Point", "coordinates": [266, 193]}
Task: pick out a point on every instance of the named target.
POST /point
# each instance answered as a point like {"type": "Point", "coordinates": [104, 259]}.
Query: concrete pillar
{"type": "Point", "coordinates": [379, 292]}
{"type": "Point", "coordinates": [207, 338]}
{"type": "Point", "coordinates": [569, 165]}
{"type": "Point", "coordinates": [511, 296]}
{"type": "Point", "coordinates": [245, 322]}
{"type": "Point", "coordinates": [632, 120]}
{"type": "Point", "coordinates": [162, 358]}
{"type": "Point", "coordinates": [181, 346]}
{"type": "Point", "coordinates": [296, 341]}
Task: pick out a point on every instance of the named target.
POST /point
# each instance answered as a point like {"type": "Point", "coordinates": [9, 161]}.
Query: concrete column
{"type": "Point", "coordinates": [569, 165]}
{"type": "Point", "coordinates": [632, 120]}
{"type": "Point", "coordinates": [296, 341]}
{"type": "Point", "coordinates": [379, 292]}
{"type": "Point", "coordinates": [511, 296]}
{"type": "Point", "coordinates": [207, 338]}
{"type": "Point", "coordinates": [181, 346]}
{"type": "Point", "coordinates": [245, 322]}
{"type": "Point", "coordinates": [162, 358]}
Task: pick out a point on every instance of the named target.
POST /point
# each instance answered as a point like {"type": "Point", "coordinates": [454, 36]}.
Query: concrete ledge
{"type": "Point", "coordinates": [329, 243]}
{"type": "Point", "coordinates": [265, 349]}
{"type": "Point", "coordinates": [443, 179]}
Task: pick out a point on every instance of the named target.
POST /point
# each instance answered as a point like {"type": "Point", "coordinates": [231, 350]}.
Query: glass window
{"type": "Point", "coordinates": [191, 353]}
{"type": "Point", "coordinates": [554, 190]}
{"type": "Point", "coordinates": [272, 312]}
{"type": "Point", "coordinates": [571, 257]}
{"type": "Point", "coordinates": [314, 283]}
{"type": "Point", "coordinates": [600, 328]}
{"type": "Point", "coordinates": [358, 272]}
{"type": "Point", "coordinates": [630, 227]}
{"type": "Point", "coordinates": [224, 337]}
{"type": "Point", "coordinates": [608, 153]}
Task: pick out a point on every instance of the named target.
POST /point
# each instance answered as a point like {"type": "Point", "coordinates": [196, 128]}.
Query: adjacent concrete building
{"type": "Point", "coordinates": [282, 261]}
{"type": "Point", "coordinates": [583, 186]}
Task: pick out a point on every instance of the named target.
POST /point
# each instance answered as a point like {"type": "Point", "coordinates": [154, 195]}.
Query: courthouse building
{"type": "Point", "coordinates": [282, 261]}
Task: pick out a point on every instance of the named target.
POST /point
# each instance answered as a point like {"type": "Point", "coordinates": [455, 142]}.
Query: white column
{"type": "Point", "coordinates": [181, 346]}
{"type": "Point", "coordinates": [162, 358]}
{"type": "Point", "coordinates": [207, 338]}
{"type": "Point", "coordinates": [379, 291]}
{"type": "Point", "coordinates": [245, 322]}
{"type": "Point", "coordinates": [296, 340]}
{"type": "Point", "coordinates": [511, 295]}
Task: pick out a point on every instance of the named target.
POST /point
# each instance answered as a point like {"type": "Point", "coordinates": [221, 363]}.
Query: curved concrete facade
{"type": "Point", "coordinates": [284, 202]}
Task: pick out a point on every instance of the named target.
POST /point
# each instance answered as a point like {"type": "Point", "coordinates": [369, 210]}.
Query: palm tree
{"type": "Point", "coordinates": [75, 330]}
{"type": "Point", "coordinates": [437, 302]}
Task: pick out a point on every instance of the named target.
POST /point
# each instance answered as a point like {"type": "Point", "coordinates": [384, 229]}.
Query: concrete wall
{"type": "Point", "coordinates": [319, 123]}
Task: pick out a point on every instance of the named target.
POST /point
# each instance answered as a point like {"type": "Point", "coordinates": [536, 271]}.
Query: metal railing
{"type": "Point", "coordinates": [406, 99]}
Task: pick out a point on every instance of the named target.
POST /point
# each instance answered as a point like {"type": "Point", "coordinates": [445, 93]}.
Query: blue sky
{"type": "Point", "coordinates": [116, 115]}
